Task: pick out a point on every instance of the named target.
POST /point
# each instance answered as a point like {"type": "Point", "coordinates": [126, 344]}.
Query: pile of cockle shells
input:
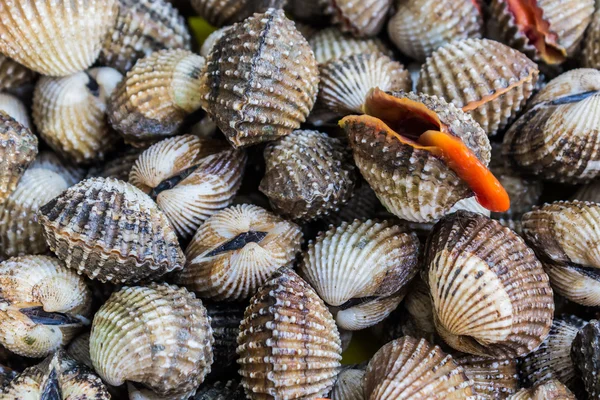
{"type": "Point", "coordinates": [315, 199]}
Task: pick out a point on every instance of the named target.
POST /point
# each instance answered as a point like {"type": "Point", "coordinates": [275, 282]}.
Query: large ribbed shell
{"type": "Point", "coordinates": [490, 295]}
{"type": "Point", "coordinates": [142, 28]}
{"type": "Point", "coordinates": [412, 183]}
{"type": "Point", "coordinates": [158, 335]}
{"type": "Point", "coordinates": [361, 18]}
{"type": "Point", "coordinates": [227, 12]}
{"type": "Point", "coordinates": [585, 353]}
{"type": "Point", "coordinates": [14, 107]}
{"type": "Point", "coordinates": [236, 251]}
{"type": "Point", "coordinates": [332, 44]}
{"type": "Point", "coordinates": [289, 346]}
{"type": "Point", "coordinates": [349, 385]}
{"type": "Point", "coordinates": [489, 80]}
{"type": "Point", "coordinates": [44, 282]}
{"type": "Point", "coordinates": [591, 48]}
{"type": "Point", "coordinates": [261, 79]}
{"type": "Point", "coordinates": [410, 368]}
{"type": "Point", "coordinates": [13, 74]}
{"type": "Point", "coordinates": [210, 41]}
{"type": "Point", "coordinates": [56, 37]}
{"type": "Point", "coordinates": [362, 260]}
{"type": "Point", "coordinates": [308, 174]}
{"type": "Point", "coordinates": [419, 27]}
{"type": "Point", "coordinates": [156, 95]}
{"type": "Point", "coordinates": [492, 378]}
{"type": "Point", "coordinates": [547, 390]}
{"type": "Point", "coordinates": [110, 230]}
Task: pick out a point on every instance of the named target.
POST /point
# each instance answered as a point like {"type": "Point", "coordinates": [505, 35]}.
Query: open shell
{"type": "Point", "coordinates": [585, 353]}
{"type": "Point", "coordinates": [13, 74]}
{"type": "Point", "coordinates": [210, 41]}
{"type": "Point", "coordinates": [349, 385]}
{"type": "Point", "coordinates": [361, 18]}
{"type": "Point", "coordinates": [332, 44]}
{"type": "Point", "coordinates": [226, 12]}
{"type": "Point", "coordinates": [492, 378]}
{"type": "Point", "coordinates": [14, 107]}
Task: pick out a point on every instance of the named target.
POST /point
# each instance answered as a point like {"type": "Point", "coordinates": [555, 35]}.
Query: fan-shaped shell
{"type": "Point", "coordinates": [361, 18]}
{"type": "Point", "coordinates": [289, 346]}
{"type": "Point", "coordinates": [585, 356]}
{"type": "Point", "coordinates": [13, 74]}
{"type": "Point", "coordinates": [79, 350]}
{"type": "Point", "coordinates": [227, 12]}
{"type": "Point", "coordinates": [14, 107]}
{"type": "Point", "coordinates": [507, 317]}
{"type": "Point", "coordinates": [492, 378]}
{"type": "Point", "coordinates": [332, 44]}
{"type": "Point", "coordinates": [547, 390]}
{"type": "Point", "coordinates": [349, 385]}
{"type": "Point", "coordinates": [111, 231]}
{"type": "Point", "coordinates": [55, 38]}
{"type": "Point", "coordinates": [578, 284]}
{"type": "Point", "coordinates": [221, 390]}
{"type": "Point", "coordinates": [236, 250]}
{"type": "Point", "coordinates": [591, 48]}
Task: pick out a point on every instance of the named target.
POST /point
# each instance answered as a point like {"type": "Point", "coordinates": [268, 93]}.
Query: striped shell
{"type": "Point", "coordinates": [15, 108]}
{"type": "Point", "coordinates": [362, 205]}
{"type": "Point", "coordinates": [210, 41]}
{"type": "Point", "coordinates": [111, 231]}
{"type": "Point", "coordinates": [57, 37]}
{"type": "Point", "coordinates": [361, 18]}
{"type": "Point", "coordinates": [225, 318]}
{"type": "Point", "coordinates": [492, 378]}
{"type": "Point", "coordinates": [118, 167]}
{"type": "Point", "coordinates": [585, 353]}
{"type": "Point", "coordinates": [332, 44]}
{"type": "Point", "coordinates": [13, 74]}
{"type": "Point", "coordinates": [547, 390]}
{"type": "Point", "coordinates": [79, 349]}
{"type": "Point", "coordinates": [589, 192]}
{"type": "Point", "coordinates": [591, 49]}
{"type": "Point", "coordinates": [226, 12]}
{"type": "Point", "coordinates": [349, 385]}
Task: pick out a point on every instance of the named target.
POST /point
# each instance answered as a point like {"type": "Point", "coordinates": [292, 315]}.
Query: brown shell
{"type": "Point", "coordinates": [210, 41]}
{"type": "Point", "coordinates": [492, 378]}
{"type": "Point", "coordinates": [589, 192]}
{"type": "Point", "coordinates": [332, 44]}
{"type": "Point", "coordinates": [585, 355]}
{"type": "Point", "coordinates": [14, 107]}
{"type": "Point", "coordinates": [13, 74]}
{"type": "Point", "coordinates": [261, 79]}
{"type": "Point", "coordinates": [226, 12]}
{"type": "Point", "coordinates": [591, 48]}
{"type": "Point", "coordinates": [362, 205]}
{"type": "Point", "coordinates": [118, 167]}
{"type": "Point", "coordinates": [361, 18]}
{"type": "Point", "coordinates": [547, 390]}
{"type": "Point", "coordinates": [79, 349]}
{"type": "Point", "coordinates": [349, 385]}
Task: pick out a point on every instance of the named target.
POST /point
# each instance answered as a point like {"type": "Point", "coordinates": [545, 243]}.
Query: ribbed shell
{"type": "Point", "coordinates": [225, 321]}
{"type": "Point", "coordinates": [586, 356]}
{"type": "Point", "coordinates": [111, 231]}
{"type": "Point", "coordinates": [578, 284]}
{"type": "Point", "coordinates": [210, 41]}
{"type": "Point", "coordinates": [57, 37]}
{"type": "Point", "coordinates": [13, 74]}
{"type": "Point", "coordinates": [419, 27]}
{"type": "Point", "coordinates": [308, 174]}
{"type": "Point", "coordinates": [492, 378]}
{"type": "Point", "coordinates": [227, 12]}
{"type": "Point", "coordinates": [487, 79]}
{"type": "Point", "coordinates": [14, 107]}
{"type": "Point", "coordinates": [221, 390]}
{"type": "Point", "coordinates": [79, 350]}
{"type": "Point", "coordinates": [158, 335]}
{"type": "Point", "coordinates": [156, 95]}
{"type": "Point", "coordinates": [70, 113]}
{"type": "Point", "coordinates": [591, 49]}
{"type": "Point", "coordinates": [43, 305]}
{"type": "Point", "coordinates": [408, 368]}
{"type": "Point", "coordinates": [365, 261]}
{"type": "Point", "coordinates": [507, 317]}
{"type": "Point", "coordinates": [289, 346]}
{"type": "Point", "coordinates": [362, 205]}
{"type": "Point", "coordinates": [117, 167]}
{"type": "Point", "coordinates": [236, 251]}
{"type": "Point", "coordinates": [589, 192]}
{"type": "Point", "coordinates": [361, 18]}
{"type": "Point", "coordinates": [142, 28]}
{"type": "Point", "coordinates": [349, 385]}
{"type": "Point", "coordinates": [345, 82]}
{"type": "Point", "coordinates": [547, 390]}
{"type": "Point", "coordinates": [261, 79]}
{"type": "Point", "coordinates": [331, 44]}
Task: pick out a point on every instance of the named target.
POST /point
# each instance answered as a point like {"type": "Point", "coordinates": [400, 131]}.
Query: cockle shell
{"type": "Point", "coordinates": [189, 178]}
{"type": "Point", "coordinates": [362, 205]}
{"type": "Point", "coordinates": [43, 305]}
{"type": "Point", "coordinates": [591, 48]}
{"type": "Point", "coordinates": [586, 356]}
{"type": "Point", "coordinates": [409, 368]}
{"type": "Point", "coordinates": [308, 174]}
{"type": "Point", "coordinates": [111, 231]}
{"type": "Point", "coordinates": [349, 385]}
{"type": "Point", "coordinates": [419, 27]}
{"type": "Point", "coordinates": [225, 318]}
{"type": "Point", "coordinates": [492, 378]}
{"type": "Point", "coordinates": [14, 107]}
{"type": "Point", "coordinates": [357, 266]}
{"type": "Point", "coordinates": [487, 79]}
{"type": "Point", "coordinates": [118, 167]}
{"type": "Point", "coordinates": [157, 335]}
{"type": "Point", "coordinates": [55, 38]}
{"type": "Point", "coordinates": [580, 285]}
{"type": "Point", "coordinates": [236, 250]}
{"type": "Point", "coordinates": [547, 390]}
{"type": "Point", "coordinates": [156, 95]}
{"type": "Point", "coordinates": [361, 18]}
{"type": "Point", "coordinates": [227, 12]}
{"type": "Point", "coordinates": [332, 44]}
{"type": "Point", "coordinates": [289, 346]}
{"type": "Point", "coordinates": [70, 113]}
{"type": "Point", "coordinates": [210, 41]}
{"type": "Point", "coordinates": [589, 192]}
{"type": "Point", "coordinates": [220, 390]}
{"type": "Point", "coordinates": [142, 28]}
{"type": "Point", "coordinates": [507, 317]}
{"type": "Point", "coordinates": [13, 74]}
{"type": "Point", "coordinates": [79, 350]}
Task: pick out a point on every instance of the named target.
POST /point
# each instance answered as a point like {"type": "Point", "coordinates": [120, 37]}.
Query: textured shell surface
{"type": "Point", "coordinates": [585, 356]}
{"type": "Point", "coordinates": [580, 285]}
{"type": "Point", "coordinates": [487, 79]}
{"type": "Point", "coordinates": [547, 390]}
{"type": "Point", "coordinates": [225, 318]}
{"type": "Point", "coordinates": [57, 37]}
{"type": "Point", "coordinates": [221, 390]}
{"type": "Point", "coordinates": [13, 74]}
{"type": "Point", "coordinates": [43, 305]}
{"type": "Point", "coordinates": [227, 12]}
{"type": "Point", "coordinates": [70, 113]}
{"type": "Point", "coordinates": [210, 41]}
{"type": "Point", "coordinates": [331, 44]}
{"type": "Point", "coordinates": [507, 317]}
{"type": "Point", "coordinates": [419, 27]}
{"type": "Point", "coordinates": [111, 231]}
{"type": "Point", "coordinates": [362, 205]}
{"type": "Point", "coordinates": [409, 368]}
{"type": "Point", "coordinates": [591, 48]}
{"type": "Point", "coordinates": [79, 350]}
{"type": "Point", "coordinates": [360, 18]}
{"type": "Point", "coordinates": [289, 346]}
{"type": "Point", "coordinates": [14, 107]}
{"type": "Point", "coordinates": [236, 250]}
{"type": "Point", "coordinates": [308, 174]}
{"type": "Point", "coordinates": [589, 192]}
{"type": "Point", "coordinates": [349, 385]}
{"type": "Point", "coordinates": [157, 335]}
{"type": "Point", "coordinates": [118, 166]}
{"type": "Point", "coordinates": [492, 378]}
{"type": "Point", "coordinates": [261, 79]}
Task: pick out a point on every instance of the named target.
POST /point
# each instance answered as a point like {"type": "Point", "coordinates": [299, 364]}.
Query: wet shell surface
{"type": "Point", "coordinates": [261, 79]}
{"type": "Point", "coordinates": [331, 44]}
{"type": "Point", "coordinates": [508, 316]}
{"type": "Point", "coordinates": [225, 318]}
{"type": "Point", "coordinates": [349, 385]}
{"type": "Point", "coordinates": [13, 74]}
{"type": "Point", "coordinates": [289, 346]}
{"type": "Point", "coordinates": [419, 27]}
{"type": "Point", "coordinates": [227, 12]}
{"type": "Point", "coordinates": [111, 231]}
{"type": "Point", "coordinates": [236, 251]}
{"type": "Point", "coordinates": [308, 174]}
{"type": "Point", "coordinates": [585, 356]}
{"type": "Point", "coordinates": [360, 268]}
{"type": "Point", "coordinates": [409, 368]}
{"type": "Point", "coordinates": [547, 390]}
{"type": "Point", "coordinates": [221, 390]}
{"type": "Point", "coordinates": [55, 38]}
{"type": "Point", "coordinates": [79, 350]}
{"type": "Point", "coordinates": [157, 335]}
{"type": "Point", "coordinates": [487, 79]}
{"type": "Point", "coordinates": [360, 18]}
{"type": "Point", "coordinates": [591, 48]}
{"type": "Point", "coordinates": [492, 378]}
{"type": "Point", "coordinates": [43, 305]}
{"type": "Point", "coordinates": [15, 108]}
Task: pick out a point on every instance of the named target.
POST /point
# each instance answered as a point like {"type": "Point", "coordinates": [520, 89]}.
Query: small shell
{"type": "Point", "coordinates": [142, 28]}
{"type": "Point", "coordinates": [55, 38]}
{"type": "Point", "coordinates": [361, 18]}
{"type": "Point", "coordinates": [578, 284]}
{"type": "Point", "coordinates": [289, 346]}
{"type": "Point", "coordinates": [362, 205]}
{"type": "Point", "coordinates": [118, 167]}
{"type": "Point", "coordinates": [226, 12]}
{"type": "Point", "coordinates": [357, 267]}
{"type": "Point", "coordinates": [70, 113]}
{"type": "Point", "coordinates": [14, 107]}
{"type": "Point", "coordinates": [210, 41]}
{"type": "Point", "coordinates": [43, 305]}
{"type": "Point", "coordinates": [261, 79]}
{"type": "Point", "coordinates": [158, 335]}
{"type": "Point", "coordinates": [229, 390]}
{"type": "Point", "coordinates": [332, 44]}
{"type": "Point", "coordinates": [111, 231]}
{"type": "Point", "coordinates": [591, 49]}
{"type": "Point", "coordinates": [547, 390]}
{"type": "Point", "coordinates": [13, 74]}
{"type": "Point", "coordinates": [349, 385]}
{"type": "Point", "coordinates": [413, 369]}
{"type": "Point", "coordinates": [492, 378]}
{"type": "Point", "coordinates": [308, 174]}
{"type": "Point", "coordinates": [493, 98]}
{"type": "Point", "coordinates": [156, 95]}
{"type": "Point", "coordinates": [79, 350]}
{"type": "Point", "coordinates": [419, 27]}
{"type": "Point", "coordinates": [225, 321]}
{"type": "Point", "coordinates": [586, 356]}
{"type": "Point", "coordinates": [237, 250]}
{"type": "Point", "coordinates": [589, 192]}
{"type": "Point", "coordinates": [507, 317]}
